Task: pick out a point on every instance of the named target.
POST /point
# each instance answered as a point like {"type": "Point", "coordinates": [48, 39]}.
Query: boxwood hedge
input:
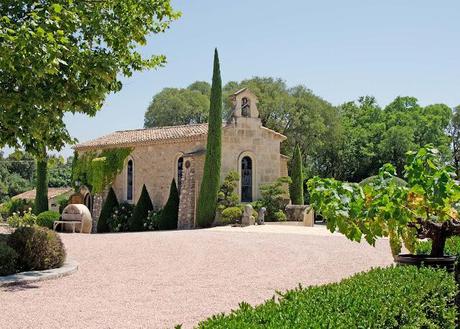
{"type": "Point", "coordinates": [394, 297]}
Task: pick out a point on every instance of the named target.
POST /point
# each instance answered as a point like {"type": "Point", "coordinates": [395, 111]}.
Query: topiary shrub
{"type": "Point", "coordinates": [8, 259]}
{"type": "Point", "coordinates": [38, 248]}
{"type": "Point", "coordinates": [141, 211]}
{"type": "Point", "coordinates": [170, 213]}
{"type": "Point", "coordinates": [231, 215]}
{"type": "Point", "coordinates": [41, 195]}
{"type": "Point", "coordinates": [274, 198]}
{"type": "Point", "coordinates": [296, 186]}
{"type": "Point", "coordinates": [110, 204]}
{"type": "Point", "coordinates": [47, 218]}
{"type": "Point", "coordinates": [153, 220]}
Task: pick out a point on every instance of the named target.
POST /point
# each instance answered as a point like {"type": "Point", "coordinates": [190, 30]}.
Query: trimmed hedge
{"type": "Point", "coordinates": [141, 212]}
{"type": "Point", "coordinates": [38, 248]}
{"type": "Point", "coordinates": [41, 195]}
{"type": "Point", "coordinates": [111, 202]}
{"type": "Point", "coordinates": [170, 213]}
{"type": "Point", "coordinates": [47, 218]}
{"type": "Point", "coordinates": [394, 297]}
{"type": "Point", "coordinates": [296, 186]}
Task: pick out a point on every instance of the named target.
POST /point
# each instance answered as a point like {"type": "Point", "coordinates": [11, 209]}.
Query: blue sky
{"type": "Point", "coordinates": [339, 49]}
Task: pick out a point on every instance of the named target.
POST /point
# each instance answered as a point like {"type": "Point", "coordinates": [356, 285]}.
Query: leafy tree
{"type": "Point", "coordinates": [110, 203]}
{"type": "Point", "coordinates": [173, 106]}
{"type": "Point", "coordinates": [67, 56]}
{"type": "Point", "coordinates": [206, 209]}
{"type": "Point", "coordinates": [170, 213]}
{"type": "Point", "coordinates": [454, 133]}
{"type": "Point", "coordinates": [296, 186]}
{"type": "Point", "coordinates": [60, 172]}
{"type": "Point", "coordinates": [141, 211]}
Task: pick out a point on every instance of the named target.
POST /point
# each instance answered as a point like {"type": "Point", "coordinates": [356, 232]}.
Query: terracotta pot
{"type": "Point", "coordinates": [446, 262]}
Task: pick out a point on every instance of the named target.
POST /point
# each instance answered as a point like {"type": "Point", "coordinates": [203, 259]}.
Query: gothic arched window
{"type": "Point", "coordinates": [180, 168]}
{"type": "Point", "coordinates": [129, 181]}
{"type": "Point", "coordinates": [245, 107]}
{"type": "Point", "coordinates": [246, 179]}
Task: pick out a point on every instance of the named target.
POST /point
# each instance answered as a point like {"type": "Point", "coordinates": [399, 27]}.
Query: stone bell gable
{"type": "Point", "coordinates": [161, 154]}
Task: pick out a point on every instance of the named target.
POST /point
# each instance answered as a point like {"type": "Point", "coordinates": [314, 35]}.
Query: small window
{"type": "Point", "coordinates": [180, 168]}
{"type": "Point", "coordinates": [129, 182]}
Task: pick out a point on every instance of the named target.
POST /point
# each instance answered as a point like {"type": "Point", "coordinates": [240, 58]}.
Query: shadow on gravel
{"type": "Point", "coordinates": [19, 287]}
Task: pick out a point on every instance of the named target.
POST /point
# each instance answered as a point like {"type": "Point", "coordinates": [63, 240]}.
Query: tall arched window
{"type": "Point", "coordinates": [129, 181]}
{"type": "Point", "coordinates": [246, 179]}
{"type": "Point", "coordinates": [180, 167]}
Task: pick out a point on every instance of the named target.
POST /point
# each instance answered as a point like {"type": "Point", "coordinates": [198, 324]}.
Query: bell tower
{"type": "Point", "coordinates": [244, 104]}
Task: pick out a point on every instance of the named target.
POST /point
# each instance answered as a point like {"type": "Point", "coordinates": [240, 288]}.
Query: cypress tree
{"type": "Point", "coordinates": [110, 203]}
{"type": "Point", "coordinates": [141, 211]}
{"type": "Point", "coordinates": [41, 192]}
{"type": "Point", "coordinates": [210, 184]}
{"type": "Point", "coordinates": [296, 187]}
{"type": "Point", "coordinates": [170, 213]}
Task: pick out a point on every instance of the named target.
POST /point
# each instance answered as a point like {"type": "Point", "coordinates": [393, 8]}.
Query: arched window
{"type": "Point", "coordinates": [245, 107]}
{"type": "Point", "coordinates": [180, 167]}
{"type": "Point", "coordinates": [246, 179]}
{"type": "Point", "coordinates": [129, 181]}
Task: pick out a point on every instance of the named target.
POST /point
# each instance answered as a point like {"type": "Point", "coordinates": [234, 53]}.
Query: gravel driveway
{"type": "Point", "coordinates": [159, 279]}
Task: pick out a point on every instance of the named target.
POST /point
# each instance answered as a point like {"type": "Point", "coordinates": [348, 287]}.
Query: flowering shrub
{"type": "Point", "coordinates": [118, 221]}
{"type": "Point", "coordinates": [27, 219]}
{"type": "Point", "coordinates": [152, 222]}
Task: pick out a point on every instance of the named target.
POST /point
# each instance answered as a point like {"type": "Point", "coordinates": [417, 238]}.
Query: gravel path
{"type": "Point", "coordinates": [159, 279]}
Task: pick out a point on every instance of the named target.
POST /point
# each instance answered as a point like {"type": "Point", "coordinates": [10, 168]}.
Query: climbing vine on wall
{"type": "Point", "coordinates": [98, 169]}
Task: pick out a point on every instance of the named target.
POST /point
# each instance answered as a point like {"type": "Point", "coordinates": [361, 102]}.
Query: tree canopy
{"type": "Point", "coordinates": [60, 56]}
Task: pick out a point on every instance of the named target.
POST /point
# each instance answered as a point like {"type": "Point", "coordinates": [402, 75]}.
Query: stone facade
{"type": "Point", "coordinates": [156, 153]}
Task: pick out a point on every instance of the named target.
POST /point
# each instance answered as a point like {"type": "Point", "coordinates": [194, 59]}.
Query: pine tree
{"type": "Point", "coordinates": [110, 203]}
{"type": "Point", "coordinates": [210, 184]}
{"type": "Point", "coordinates": [296, 187]}
{"type": "Point", "coordinates": [170, 213]}
{"type": "Point", "coordinates": [141, 211]}
{"type": "Point", "coordinates": [41, 192]}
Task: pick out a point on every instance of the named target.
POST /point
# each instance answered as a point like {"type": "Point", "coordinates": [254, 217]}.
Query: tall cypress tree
{"type": "Point", "coordinates": [296, 187]}
{"type": "Point", "coordinates": [210, 184]}
{"type": "Point", "coordinates": [170, 213]}
{"type": "Point", "coordinates": [41, 192]}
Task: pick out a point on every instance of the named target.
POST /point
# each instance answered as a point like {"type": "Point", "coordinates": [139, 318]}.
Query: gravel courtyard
{"type": "Point", "coordinates": [159, 279]}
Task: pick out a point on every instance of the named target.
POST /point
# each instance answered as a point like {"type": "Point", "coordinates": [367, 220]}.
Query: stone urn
{"type": "Point", "coordinates": [300, 213]}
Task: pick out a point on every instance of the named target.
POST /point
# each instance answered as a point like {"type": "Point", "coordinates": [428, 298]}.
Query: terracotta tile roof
{"type": "Point", "coordinates": [139, 136]}
{"type": "Point", "coordinates": [52, 192]}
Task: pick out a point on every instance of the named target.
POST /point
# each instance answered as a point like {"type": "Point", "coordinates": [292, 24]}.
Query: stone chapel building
{"type": "Point", "coordinates": [161, 154]}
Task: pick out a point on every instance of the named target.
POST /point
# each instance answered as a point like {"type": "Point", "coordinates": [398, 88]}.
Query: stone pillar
{"type": "Point", "coordinates": [187, 195]}
{"type": "Point", "coordinates": [98, 200]}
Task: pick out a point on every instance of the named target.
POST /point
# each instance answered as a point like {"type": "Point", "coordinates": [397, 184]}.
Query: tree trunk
{"type": "Point", "coordinates": [438, 242]}
{"type": "Point", "coordinates": [41, 195]}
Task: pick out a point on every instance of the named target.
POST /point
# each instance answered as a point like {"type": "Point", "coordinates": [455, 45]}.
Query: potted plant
{"type": "Point", "coordinates": [423, 208]}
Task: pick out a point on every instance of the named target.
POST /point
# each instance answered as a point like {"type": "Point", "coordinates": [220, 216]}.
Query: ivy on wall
{"type": "Point", "coordinates": [98, 169]}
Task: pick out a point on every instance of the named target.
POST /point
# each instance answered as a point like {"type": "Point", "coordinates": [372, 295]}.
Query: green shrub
{"type": "Point", "coordinates": [41, 195]}
{"type": "Point", "coordinates": [231, 215]}
{"type": "Point", "coordinates": [15, 206]}
{"type": "Point", "coordinates": [47, 218]}
{"type": "Point", "coordinates": [170, 213]}
{"type": "Point", "coordinates": [394, 297]}
{"type": "Point", "coordinates": [26, 219]}
{"type": "Point", "coordinates": [62, 201]}
{"type": "Point", "coordinates": [118, 220]}
{"type": "Point", "coordinates": [141, 212]}
{"type": "Point", "coordinates": [452, 247]}
{"type": "Point", "coordinates": [280, 216]}
{"type": "Point", "coordinates": [111, 202]}
{"type": "Point", "coordinates": [38, 248]}
{"type": "Point", "coordinates": [153, 220]}
{"type": "Point", "coordinates": [8, 259]}
{"type": "Point", "coordinates": [227, 197]}
{"type": "Point", "coordinates": [274, 198]}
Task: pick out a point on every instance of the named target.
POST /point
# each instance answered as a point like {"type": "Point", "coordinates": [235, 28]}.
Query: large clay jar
{"type": "Point", "coordinates": [78, 212]}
